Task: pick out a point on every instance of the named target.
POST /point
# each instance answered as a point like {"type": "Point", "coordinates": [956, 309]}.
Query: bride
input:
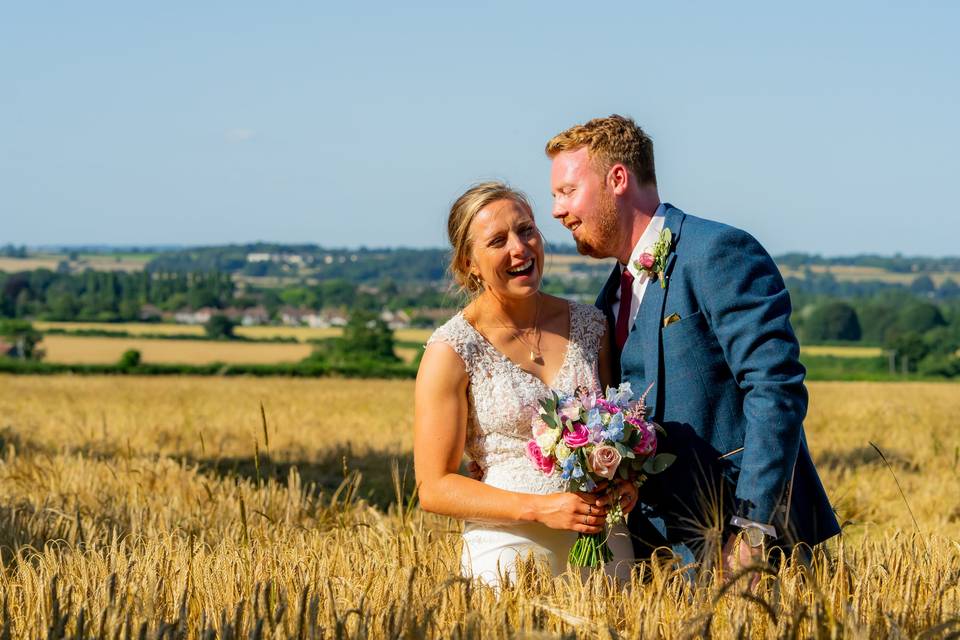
{"type": "Point", "coordinates": [477, 389]}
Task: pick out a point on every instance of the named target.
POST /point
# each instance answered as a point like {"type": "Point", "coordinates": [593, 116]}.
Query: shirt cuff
{"type": "Point", "coordinates": [743, 523]}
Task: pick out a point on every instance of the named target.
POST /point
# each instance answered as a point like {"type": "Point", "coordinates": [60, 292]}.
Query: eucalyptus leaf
{"type": "Point", "coordinates": [549, 419]}
{"type": "Point", "coordinates": [659, 463]}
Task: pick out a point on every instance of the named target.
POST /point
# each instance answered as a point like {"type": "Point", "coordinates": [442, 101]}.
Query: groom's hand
{"type": "Point", "coordinates": [737, 554]}
{"type": "Point", "coordinates": [627, 493]}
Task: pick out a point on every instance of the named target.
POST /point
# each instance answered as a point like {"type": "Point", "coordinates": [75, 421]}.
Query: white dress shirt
{"type": "Point", "coordinates": [640, 278]}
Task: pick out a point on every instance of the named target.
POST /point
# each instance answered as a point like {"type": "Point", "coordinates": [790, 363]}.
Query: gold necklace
{"type": "Point", "coordinates": [536, 355]}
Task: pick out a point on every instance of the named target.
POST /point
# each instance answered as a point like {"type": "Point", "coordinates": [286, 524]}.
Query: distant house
{"type": "Point", "coordinates": [292, 316]}
{"type": "Point", "coordinates": [8, 349]}
{"type": "Point", "coordinates": [328, 318]}
{"type": "Point", "coordinates": [438, 316]}
{"type": "Point", "coordinates": [315, 320]}
{"type": "Point", "coordinates": [282, 258]}
{"type": "Point", "coordinates": [255, 316]}
{"type": "Point", "coordinates": [150, 313]}
{"type": "Point", "coordinates": [200, 316]}
{"type": "Point", "coordinates": [395, 319]}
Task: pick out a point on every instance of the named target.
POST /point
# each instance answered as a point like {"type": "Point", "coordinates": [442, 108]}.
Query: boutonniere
{"type": "Point", "coordinates": [654, 260]}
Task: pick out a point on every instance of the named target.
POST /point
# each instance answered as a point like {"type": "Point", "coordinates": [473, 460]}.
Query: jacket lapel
{"type": "Point", "coordinates": [605, 299]}
{"type": "Point", "coordinates": [649, 322]}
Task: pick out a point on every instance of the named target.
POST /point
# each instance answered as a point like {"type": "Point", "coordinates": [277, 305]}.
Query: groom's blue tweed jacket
{"type": "Point", "coordinates": [728, 390]}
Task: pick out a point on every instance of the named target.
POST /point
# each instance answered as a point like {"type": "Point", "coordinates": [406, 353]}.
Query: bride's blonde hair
{"type": "Point", "coordinates": [462, 213]}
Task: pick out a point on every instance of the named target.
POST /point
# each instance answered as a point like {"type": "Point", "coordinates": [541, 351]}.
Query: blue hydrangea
{"type": "Point", "coordinates": [594, 419]}
{"type": "Point", "coordinates": [614, 430]}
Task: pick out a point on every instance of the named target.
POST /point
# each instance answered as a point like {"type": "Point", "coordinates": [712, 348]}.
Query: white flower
{"type": "Point", "coordinates": [561, 452]}
{"type": "Point", "coordinates": [547, 441]}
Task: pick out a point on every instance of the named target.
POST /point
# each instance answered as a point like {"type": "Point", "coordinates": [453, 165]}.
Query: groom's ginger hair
{"type": "Point", "coordinates": [611, 140]}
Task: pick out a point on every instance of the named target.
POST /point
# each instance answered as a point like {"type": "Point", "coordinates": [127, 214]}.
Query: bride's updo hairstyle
{"type": "Point", "coordinates": [462, 213]}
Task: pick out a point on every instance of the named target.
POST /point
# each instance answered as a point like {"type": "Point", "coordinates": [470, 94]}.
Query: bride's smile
{"type": "Point", "coordinates": [507, 251]}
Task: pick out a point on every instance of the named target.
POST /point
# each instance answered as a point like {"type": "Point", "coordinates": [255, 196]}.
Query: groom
{"type": "Point", "coordinates": [699, 311]}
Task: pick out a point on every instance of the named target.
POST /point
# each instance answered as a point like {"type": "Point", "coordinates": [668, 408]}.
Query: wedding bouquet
{"type": "Point", "coordinates": [587, 439]}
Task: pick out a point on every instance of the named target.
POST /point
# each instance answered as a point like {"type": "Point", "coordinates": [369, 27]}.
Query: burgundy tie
{"type": "Point", "coordinates": [623, 314]}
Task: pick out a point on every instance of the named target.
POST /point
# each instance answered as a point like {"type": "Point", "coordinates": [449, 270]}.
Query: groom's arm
{"type": "Point", "coordinates": [748, 308]}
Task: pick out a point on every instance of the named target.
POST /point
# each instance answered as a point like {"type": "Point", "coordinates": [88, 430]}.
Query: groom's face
{"type": "Point", "coordinates": [583, 203]}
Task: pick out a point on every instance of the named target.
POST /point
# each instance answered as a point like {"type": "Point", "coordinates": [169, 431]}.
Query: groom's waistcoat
{"type": "Point", "coordinates": [717, 345]}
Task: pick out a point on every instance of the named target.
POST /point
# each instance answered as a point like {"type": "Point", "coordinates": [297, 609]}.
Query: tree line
{"type": "Point", "coordinates": [105, 296]}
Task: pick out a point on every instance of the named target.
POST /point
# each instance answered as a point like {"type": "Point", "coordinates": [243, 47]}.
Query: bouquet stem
{"type": "Point", "coordinates": [590, 550]}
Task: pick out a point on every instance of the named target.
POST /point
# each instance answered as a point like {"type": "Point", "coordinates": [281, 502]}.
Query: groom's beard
{"type": "Point", "coordinates": [601, 244]}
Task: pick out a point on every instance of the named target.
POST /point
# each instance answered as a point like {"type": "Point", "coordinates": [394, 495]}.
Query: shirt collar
{"type": "Point", "coordinates": [646, 241]}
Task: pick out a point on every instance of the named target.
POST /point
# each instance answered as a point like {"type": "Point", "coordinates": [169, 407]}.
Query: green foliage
{"type": "Point", "coordinates": [876, 317]}
{"type": "Point", "coordinates": [107, 296]}
{"type": "Point", "coordinates": [219, 327]}
{"type": "Point", "coordinates": [306, 369]}
{"type": "Point", "coordinates": [366, 340]}
{"type": "Point", "coordinates": [130, 358]}
{"type": "Point", "coordinates": [909, 345]}
{"type": "Point", "coordinates": [948, 289]}
{"type": "Point", "coordinates": [919, 317]}
{"type": "Point", "coordinates": [837, 368]}
{"type": "Point", "coordinates": [11, 251]}
{"type": "Point", "coordinates": [23, 337]}
{"type": "Point", "coordinates": [830, 321]}
{"type": "Point", "coordinates": [940, 364]}
{"type": "Point", "coordinates": [923, 285]}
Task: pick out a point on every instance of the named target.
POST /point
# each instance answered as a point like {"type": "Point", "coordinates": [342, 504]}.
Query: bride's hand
{"type": "Point", "coordinates": [629, 494]}
{"type": "Point", "coordinates": [580, 512]}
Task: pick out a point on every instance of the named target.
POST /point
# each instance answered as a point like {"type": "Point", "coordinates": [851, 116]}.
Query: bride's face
{"type": "Point", "coordinates": [507, 250]}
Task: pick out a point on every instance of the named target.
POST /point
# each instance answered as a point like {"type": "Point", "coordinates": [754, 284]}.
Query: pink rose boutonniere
{"type": "Point", "coordinates": [654, 261]}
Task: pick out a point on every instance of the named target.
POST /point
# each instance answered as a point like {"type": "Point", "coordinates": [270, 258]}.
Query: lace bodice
{"type": "Point", "coordinates": [503, 398]}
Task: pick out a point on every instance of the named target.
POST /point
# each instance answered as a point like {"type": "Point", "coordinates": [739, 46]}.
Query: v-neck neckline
{"type": "Point", "coordinates": [503, 356]}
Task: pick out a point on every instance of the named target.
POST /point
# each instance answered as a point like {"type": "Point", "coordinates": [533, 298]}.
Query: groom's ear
{"type": "Point", "coordinates": [618, 178]}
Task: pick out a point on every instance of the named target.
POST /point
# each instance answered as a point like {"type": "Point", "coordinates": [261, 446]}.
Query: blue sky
{"type": "Point", "coordinates": [826, 127]}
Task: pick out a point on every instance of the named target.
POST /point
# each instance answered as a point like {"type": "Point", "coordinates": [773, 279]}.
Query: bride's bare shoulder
{"type": "Point", "coordinates": [441, 367]}
{"type": "Point", "coordinates": [556, 307]}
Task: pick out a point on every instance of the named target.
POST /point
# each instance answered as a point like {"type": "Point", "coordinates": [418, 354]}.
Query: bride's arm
{"type": "Point", "coordinates": [440, 428]}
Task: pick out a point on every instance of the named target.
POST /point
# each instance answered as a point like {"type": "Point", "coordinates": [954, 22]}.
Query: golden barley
{"type": "Point", "coordinates": [163, 507]}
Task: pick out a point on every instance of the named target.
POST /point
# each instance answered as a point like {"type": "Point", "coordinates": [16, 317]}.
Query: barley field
{"type": "Point", "coordinates": [853, 273]}
{"type": "Point", "coordinates": [302, 334]}
{"type": "Point", "coordinates": [172, 507]}
{"type": "Point", "coordinates": [120, 262]}
{"type": "Point", "coordinates": [841, 351]}
{"type": "Point", "coordinates": [97, 350]}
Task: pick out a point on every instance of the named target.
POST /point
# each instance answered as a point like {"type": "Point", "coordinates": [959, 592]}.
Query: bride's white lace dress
{"type": "Point", "coordinates": [502, 400]}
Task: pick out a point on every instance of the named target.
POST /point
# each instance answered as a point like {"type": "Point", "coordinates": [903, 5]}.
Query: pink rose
{"type": "Point", "coordinates": [647, 445]}
{"type": "Point", "coordinates": [578, 437]}
{"type": "Point", "coordinates": [540, 461]}
{"type": "Point", "coordinates": [646, 261]}
{"type": "Point", "coordinates": [538, 426]}
{"type": "Point", "coordinates": [605, 460]}
{"type": "Point", "coordinates": [607, 406]}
